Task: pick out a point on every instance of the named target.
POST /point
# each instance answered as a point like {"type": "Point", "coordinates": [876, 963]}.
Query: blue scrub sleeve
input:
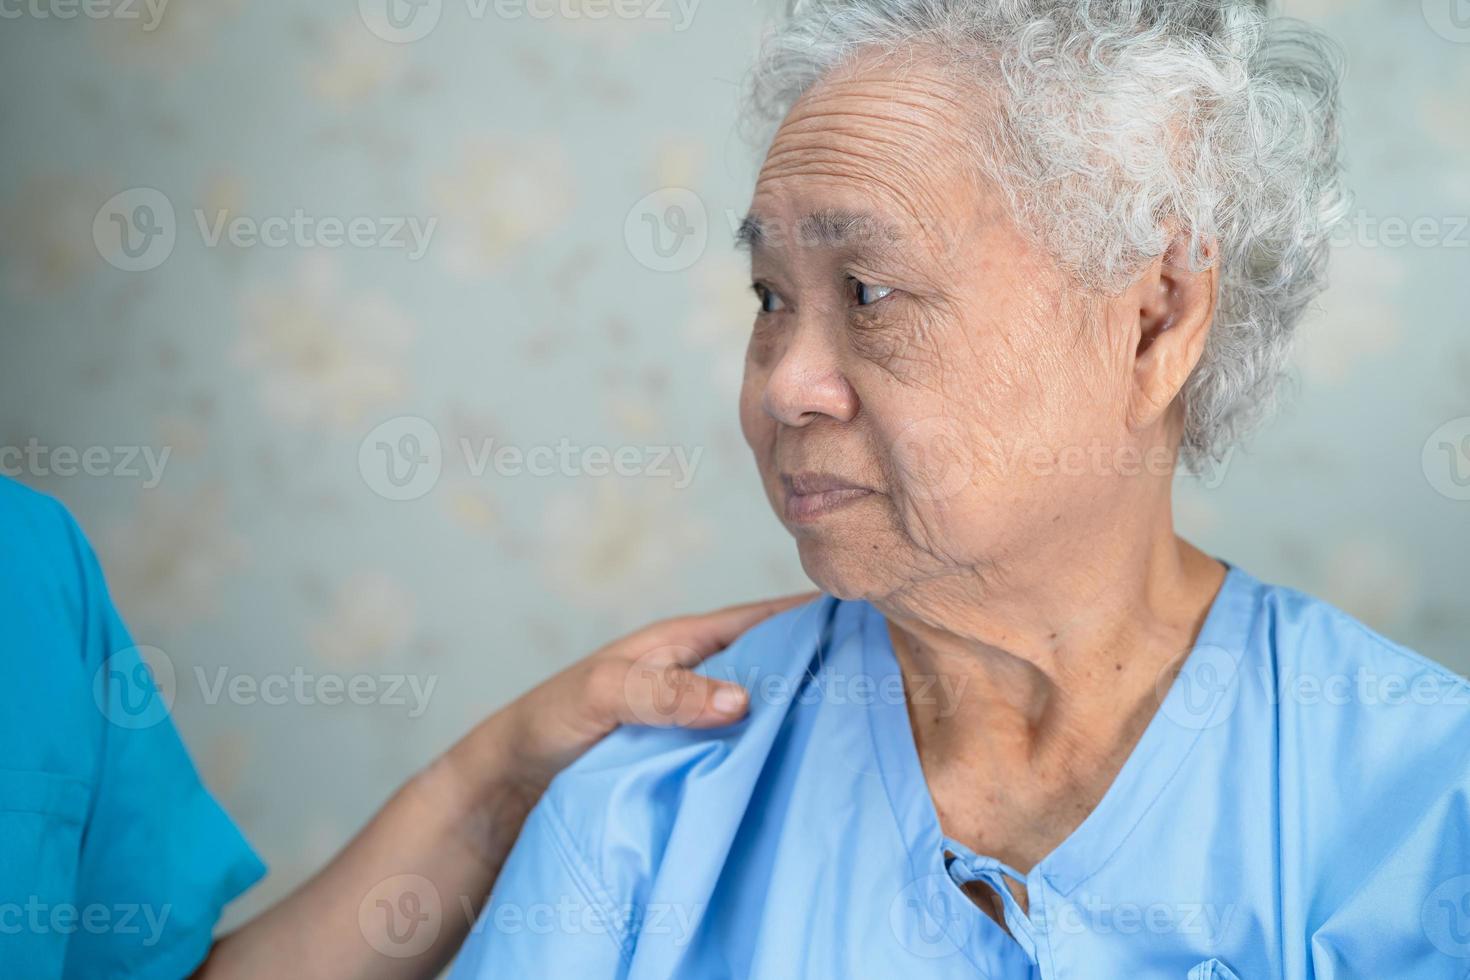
{"type": "Point", "coordinates": [155, 843]}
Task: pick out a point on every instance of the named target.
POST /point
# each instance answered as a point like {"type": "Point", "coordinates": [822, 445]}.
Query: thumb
{"type": "Point", "coordinates": [670, 695]}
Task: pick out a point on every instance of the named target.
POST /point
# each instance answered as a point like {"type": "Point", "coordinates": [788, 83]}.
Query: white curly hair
{"type": "Point", "coordinates": [1121, 119]}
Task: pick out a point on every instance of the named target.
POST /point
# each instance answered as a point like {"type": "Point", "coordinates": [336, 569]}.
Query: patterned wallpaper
{"type": "Point", "coordinates": [389, 352]}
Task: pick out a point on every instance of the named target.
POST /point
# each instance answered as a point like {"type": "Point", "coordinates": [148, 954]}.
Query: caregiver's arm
{"type": "Point", "coordinates": [400, 898]}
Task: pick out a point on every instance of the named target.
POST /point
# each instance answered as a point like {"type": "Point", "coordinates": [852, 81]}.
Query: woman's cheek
{"type": "Point", "coordinates": [755, 425]}
{"type": "Point", "coordinates": [929, 459]}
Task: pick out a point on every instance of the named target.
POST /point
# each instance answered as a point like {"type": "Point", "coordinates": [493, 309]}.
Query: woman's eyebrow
{"type": "Point", "coordinates": [827, 228]}
{"type": "Point", "coordinates": [751, 233]}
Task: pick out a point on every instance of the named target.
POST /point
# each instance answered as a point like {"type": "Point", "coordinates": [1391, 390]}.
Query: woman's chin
{"type": "Point", "coordinates": [843, 569]}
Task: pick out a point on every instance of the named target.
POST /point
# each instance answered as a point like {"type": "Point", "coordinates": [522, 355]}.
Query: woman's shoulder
{"type": "Point", "coordinates": [773, 656]}
{"type": "Point", "coordinates": [640, 827]}
{"type": "Point", "coordinates": [1326, 664]}
{"type": "Point", "coordinates": [1373, 783]}
{"type": "Point", "coordinates": [622, 801]}
{"type": "Point", "coordinates": [1371, 740]}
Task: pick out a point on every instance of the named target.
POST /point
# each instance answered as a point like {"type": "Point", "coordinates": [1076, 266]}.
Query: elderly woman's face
{"type": "Point", "coordinates": [917, 371]}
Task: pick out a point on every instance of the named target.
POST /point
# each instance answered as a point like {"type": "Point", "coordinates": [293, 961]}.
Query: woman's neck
{"type": "Point", "coordinates": [1047, 678]}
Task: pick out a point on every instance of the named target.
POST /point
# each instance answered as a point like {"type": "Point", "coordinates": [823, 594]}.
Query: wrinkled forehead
{"type": "Point", "coordinates": [881, 151]}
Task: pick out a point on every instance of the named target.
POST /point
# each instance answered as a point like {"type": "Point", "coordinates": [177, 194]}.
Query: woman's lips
{"type": "Point", "coordinates": [810, 496]}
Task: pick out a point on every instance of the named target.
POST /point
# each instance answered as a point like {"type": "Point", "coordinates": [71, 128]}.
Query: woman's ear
{"type": "Point", "coordinates": [1175, 308]}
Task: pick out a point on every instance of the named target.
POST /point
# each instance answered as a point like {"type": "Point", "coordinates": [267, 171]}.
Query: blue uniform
{"type": "Point", "coordinates": [1298, 807]}
{"type": "Point", "coordinates": [114, 859]}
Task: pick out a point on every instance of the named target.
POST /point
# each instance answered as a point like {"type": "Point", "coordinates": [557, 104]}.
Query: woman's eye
{"type": "Point", "coordinates": [867, 294]}
{"type": "Point", "coordinates": [770, 302]}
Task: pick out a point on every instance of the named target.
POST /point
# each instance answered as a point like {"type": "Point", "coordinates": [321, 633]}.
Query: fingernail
{"type": "Point", "coordinates": [728, 700]}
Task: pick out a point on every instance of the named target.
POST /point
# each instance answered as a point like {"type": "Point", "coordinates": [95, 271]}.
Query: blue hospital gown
{"type": "Point", "coordinates": [1297, 808]}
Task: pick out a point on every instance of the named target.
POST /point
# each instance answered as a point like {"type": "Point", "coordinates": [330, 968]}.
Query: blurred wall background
{"type": "Point", "coordinates": [278, 281]}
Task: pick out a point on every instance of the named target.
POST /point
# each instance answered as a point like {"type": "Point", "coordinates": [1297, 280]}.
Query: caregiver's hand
{"type": "Point", "coordinates": [641, 679]}
{"type": "Point", "coordinates": [401, 896]}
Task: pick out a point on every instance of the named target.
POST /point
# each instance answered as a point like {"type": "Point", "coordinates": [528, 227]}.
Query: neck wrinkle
{"type": "Point", "coordinates": [1078, 667]}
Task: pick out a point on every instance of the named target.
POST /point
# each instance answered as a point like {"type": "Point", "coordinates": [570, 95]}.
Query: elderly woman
{"type": "Point", "coordinates": [1014, 258]}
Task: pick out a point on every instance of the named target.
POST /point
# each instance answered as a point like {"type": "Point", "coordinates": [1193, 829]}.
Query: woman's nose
{"type": "Point", "coordinates": [808, 382]}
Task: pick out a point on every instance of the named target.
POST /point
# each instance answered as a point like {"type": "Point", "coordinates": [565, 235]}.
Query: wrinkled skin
{"type": "Point", "coordinates": [1016, 435]}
